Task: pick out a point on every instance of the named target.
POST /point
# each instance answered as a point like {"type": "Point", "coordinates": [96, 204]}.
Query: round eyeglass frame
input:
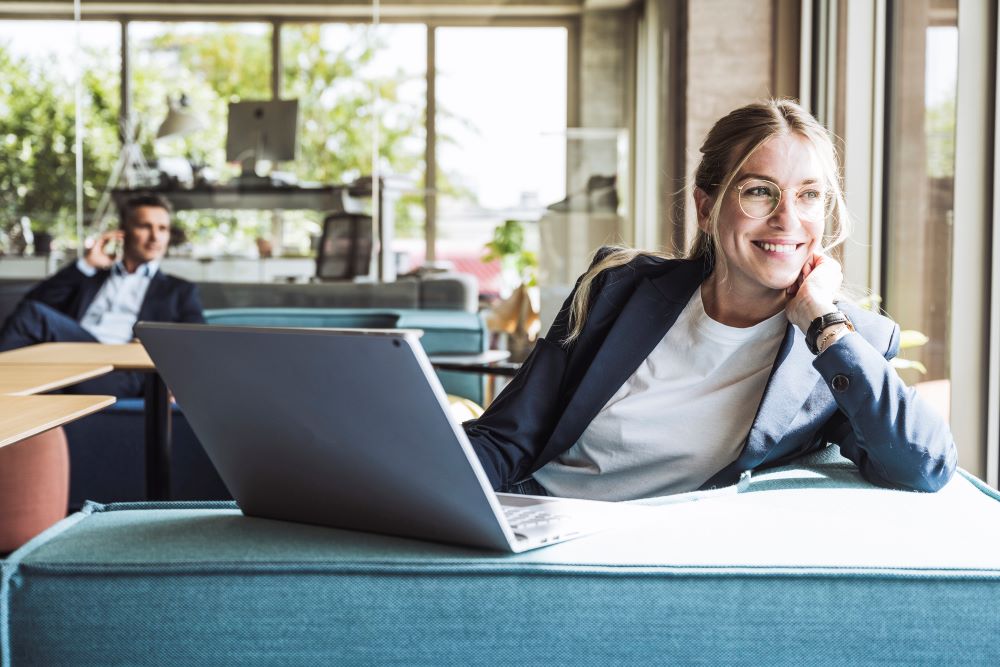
{"type": "Point", "coordinates": [781, 194]}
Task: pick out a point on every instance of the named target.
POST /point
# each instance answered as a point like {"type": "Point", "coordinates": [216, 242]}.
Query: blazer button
{"type": "Point", "coordinates": [840, 382]}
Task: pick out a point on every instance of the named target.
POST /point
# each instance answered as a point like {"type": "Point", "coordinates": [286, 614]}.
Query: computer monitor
{"type": "Point", "coordinates": [261, 130]}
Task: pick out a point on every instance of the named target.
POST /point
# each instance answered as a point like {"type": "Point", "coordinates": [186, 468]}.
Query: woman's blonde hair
{"type": "Point", "coordinates": [729, 144]}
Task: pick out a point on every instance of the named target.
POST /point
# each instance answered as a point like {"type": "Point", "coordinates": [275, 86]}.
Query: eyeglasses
{"type": "Point", "coordinates": [760, 198]}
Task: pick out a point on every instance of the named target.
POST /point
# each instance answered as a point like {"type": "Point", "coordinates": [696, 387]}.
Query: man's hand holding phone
{"type": "Point", "coordinates": [103, 253]}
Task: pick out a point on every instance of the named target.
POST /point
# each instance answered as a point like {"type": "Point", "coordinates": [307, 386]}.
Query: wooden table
{"type": "Point", "coordinates": [125, 357]}
{"type": "Point", "coordinates": [27, 379]}
{"type": "Point", "coordinates": [469, 358]}
{"type": "Point", "coordinates": [24, 416]}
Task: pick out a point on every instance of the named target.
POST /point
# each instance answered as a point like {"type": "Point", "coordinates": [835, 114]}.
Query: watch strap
{"type": "Point", "coordinates": [822, 322]}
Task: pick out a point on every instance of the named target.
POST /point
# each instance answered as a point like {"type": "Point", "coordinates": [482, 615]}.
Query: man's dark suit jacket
{"type": "Point", "coordinates": [848, 395]}
{"type": "Point", "coordinates": [168, 299]}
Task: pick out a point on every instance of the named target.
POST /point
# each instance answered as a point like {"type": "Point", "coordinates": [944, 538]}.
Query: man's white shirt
{"type": "Point", "coordinates": [115, 309]}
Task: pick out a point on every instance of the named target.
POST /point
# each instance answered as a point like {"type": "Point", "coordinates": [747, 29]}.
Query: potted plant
{"type": "Point", "coordinates": [43, 239]}
{"type": "Point", "coordinates": [517, 315]}
{"type": "Point", "coordinates": [519, 265]}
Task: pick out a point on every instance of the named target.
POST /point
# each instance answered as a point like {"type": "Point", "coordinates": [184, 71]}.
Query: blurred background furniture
{"type": "Point", "coordinates": [433, 291]}
{"type": "Point", "coordinates": [34, 486]}
{"type": "Point", "coordinates": [106, 450]}
{"type": "Point", "coordinates": [346, 247]}
{"type": "Point", "coordinates": [122, 357]}
{"type": "Point", "coordinates": [347, 200]}
{"type": "Point", "coordinates": [34, 466]}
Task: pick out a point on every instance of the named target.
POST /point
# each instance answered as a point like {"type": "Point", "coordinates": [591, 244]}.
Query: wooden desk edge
{"type": "Point", "coordinates": [99, 404]}
{"type": "Point", "coordinates": [82, 372]}
{"type": "Point", "coordinates": [123, 356]}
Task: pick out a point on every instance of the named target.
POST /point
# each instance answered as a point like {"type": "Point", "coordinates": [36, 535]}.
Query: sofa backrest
{"type": "Point", "coordinates": [309, 295]}
{"type": "Point", "coordinates": [445, 331]}
{"type": "Point", "coordinates": [11, 293]}
{"type": "Point", "coordinates": [438, 292]}
{"type": "Point", "coordinates": [304, 317]}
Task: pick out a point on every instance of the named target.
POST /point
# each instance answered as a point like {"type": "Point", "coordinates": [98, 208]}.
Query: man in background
{"type": "Point", "coordinates": [101, 297]}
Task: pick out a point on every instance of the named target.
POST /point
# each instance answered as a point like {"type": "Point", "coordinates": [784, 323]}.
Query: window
{"type": "Point", "coordinates": [501, 137]}
{"type": "Point", "coordinates": [344, 76]}
{"type": "Point", "coordinates": [920, 168]}
{"type": "Point", "coordinates": [40, 66]}
{"type": "Point", "coordinates": [206, 66]}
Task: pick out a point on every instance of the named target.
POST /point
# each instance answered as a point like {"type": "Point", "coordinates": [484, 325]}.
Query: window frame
{"type": "Point", "coordinates": [974, 308]}
{"type": "Point", "coordinates": [547, 17]}
{"type": "Point", "coordinates": [861, 34]}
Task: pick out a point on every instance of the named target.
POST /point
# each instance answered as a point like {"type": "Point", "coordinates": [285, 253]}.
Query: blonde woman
{"type": "Point", "coordinates": [662, 375]}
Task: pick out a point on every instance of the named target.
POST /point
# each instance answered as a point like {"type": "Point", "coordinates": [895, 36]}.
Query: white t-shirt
{"type": "Point", "coordinates": [679, 419]}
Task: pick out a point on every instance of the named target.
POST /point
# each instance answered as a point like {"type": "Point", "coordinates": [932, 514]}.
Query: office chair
{"type": "Point", "coordinates": [346, 247]}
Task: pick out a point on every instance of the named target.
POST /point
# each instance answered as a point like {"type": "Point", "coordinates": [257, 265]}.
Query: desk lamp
{"type": "Point", "coordinates": [179, 120]}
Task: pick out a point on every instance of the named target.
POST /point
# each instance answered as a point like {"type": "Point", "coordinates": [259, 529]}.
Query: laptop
{"type": "Point", "coordinates": [349, 428]}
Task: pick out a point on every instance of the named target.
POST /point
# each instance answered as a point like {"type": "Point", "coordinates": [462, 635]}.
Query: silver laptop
{"type": "Point", "coordinates": [351, 429]}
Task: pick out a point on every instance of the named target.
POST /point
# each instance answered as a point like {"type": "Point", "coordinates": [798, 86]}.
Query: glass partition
{"type": "Point", "coordinates": [40, 62]}
{"type": "Point", "coordinates": [465, 114]}
{"type": "Point", "coordinates": [196, 69]}
{"type": "Point", "coordinates": [356, 81]}
{"type": "Point", "coordinates": [501, 152]}
{"type": "Point", "coordinates": [920, 168]}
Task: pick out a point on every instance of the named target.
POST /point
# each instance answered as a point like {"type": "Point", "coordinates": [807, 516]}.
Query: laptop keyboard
{"type": "Point", "coordinates": [522, 518]}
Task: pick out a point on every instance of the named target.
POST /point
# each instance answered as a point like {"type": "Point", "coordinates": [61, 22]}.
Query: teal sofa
{"type": "Point", "coordinates": [806, 565]}
{"type": "Point", "coordinates": [106, 449]}
{"type": "Point", "coordinates": [445, 331]}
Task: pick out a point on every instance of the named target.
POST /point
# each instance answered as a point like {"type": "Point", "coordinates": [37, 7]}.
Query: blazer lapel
{"type": "Point", "coordinates": [154, 296]}
{"type": "Point", "coordinates": [792, 380]}
{"type": "Point", "coordinates": [89, 288]}
{"type": "Point", "coordinates": [647, 316]}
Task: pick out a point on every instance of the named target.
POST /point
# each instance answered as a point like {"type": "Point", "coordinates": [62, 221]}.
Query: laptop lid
{"type": "Point", "coordinates": [344, 428]}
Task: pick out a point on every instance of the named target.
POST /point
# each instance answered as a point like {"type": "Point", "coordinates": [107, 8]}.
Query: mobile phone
{"type": "Point", "coordinates": [112, 247]}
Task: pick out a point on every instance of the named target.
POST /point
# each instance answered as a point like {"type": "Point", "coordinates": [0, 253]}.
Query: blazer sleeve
{"type": "Point", "coordinates": [509, 436]}
{"type": "Point", "coordinates": [59, 290]}
{"type": "Point", "coordinates": [889, 432]}
{"type": "Point", "coordinates": [190, 310]}
{"type": "Point", "coordinates": [513, 431]}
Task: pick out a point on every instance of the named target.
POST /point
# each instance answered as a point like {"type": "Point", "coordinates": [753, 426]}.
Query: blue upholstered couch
{"type": "Point", "coordinates": [106, 449]}
{"type": "Point", "coordinates": [808, 565]}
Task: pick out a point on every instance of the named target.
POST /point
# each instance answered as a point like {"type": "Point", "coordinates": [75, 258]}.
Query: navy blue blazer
{"type": "Point", "coordinates": [848, 395]}
{"type": "Point", "coordinates": [168, 299]}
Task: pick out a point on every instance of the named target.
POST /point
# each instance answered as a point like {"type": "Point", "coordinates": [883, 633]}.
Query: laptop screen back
{"type": "Point", "coordinates": [338, 428]}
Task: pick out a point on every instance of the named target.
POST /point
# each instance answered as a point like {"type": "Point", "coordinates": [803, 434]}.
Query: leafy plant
{"type": "Point", "coordinates": [37, 132]}
{"type": "Point", "coordinates": [507, 246]}
{"type": "Point", "coordinates": [335, 81]}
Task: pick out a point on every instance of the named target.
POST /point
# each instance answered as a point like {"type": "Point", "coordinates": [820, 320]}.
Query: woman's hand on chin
{"type": "Point", "coordinates": [813, 293]}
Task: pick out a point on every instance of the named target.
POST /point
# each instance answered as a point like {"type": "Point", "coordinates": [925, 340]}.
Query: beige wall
{"type": "Point", "coordinates": [720, 53]}
{"type": "Point", "coordinates": [605, 92]}
{"type": "Point", "coordinates": [730, 46]}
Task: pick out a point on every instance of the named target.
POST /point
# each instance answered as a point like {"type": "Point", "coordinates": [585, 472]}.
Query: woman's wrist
{"type": "Point", "coordinates": [831, 335]}
{"type": "Point", "coordinates": [803, 316]}
{"type": "Point", "coordinates": [823, 330]}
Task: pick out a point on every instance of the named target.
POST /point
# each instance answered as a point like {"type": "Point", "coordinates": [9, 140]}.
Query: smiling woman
{"type": "Point", "coordinates": [665, 375]}
{"type": "Point", "coordinates": [764, 239]}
